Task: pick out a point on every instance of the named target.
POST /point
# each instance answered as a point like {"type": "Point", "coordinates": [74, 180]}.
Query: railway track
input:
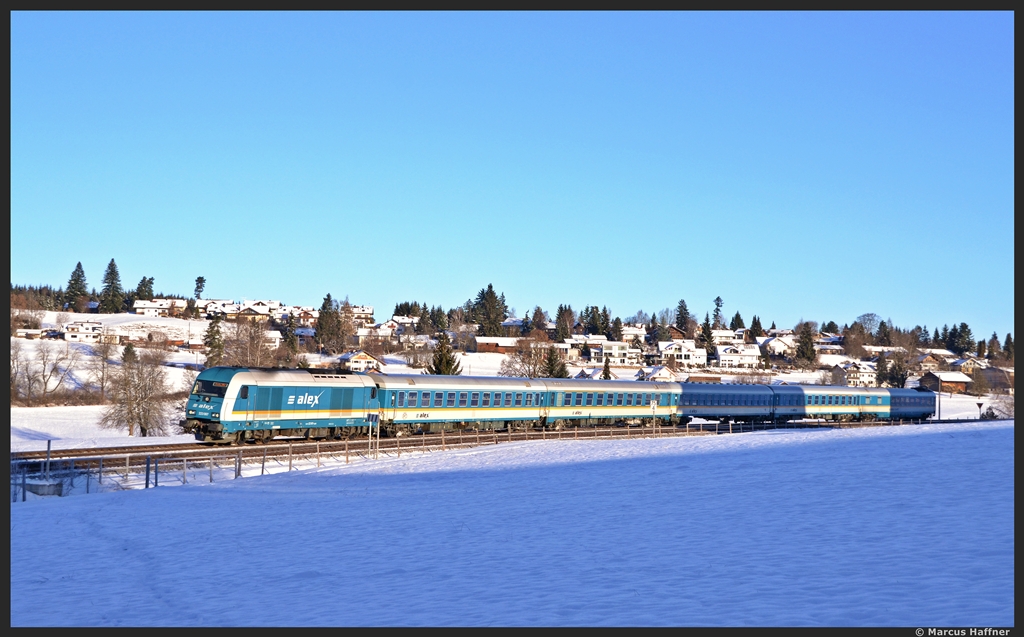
{"type": "Point", "coordinates": [137, 455]}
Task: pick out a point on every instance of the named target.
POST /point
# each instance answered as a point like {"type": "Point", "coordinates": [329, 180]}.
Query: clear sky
{"type": "Point", "coordinates": [798, 165]}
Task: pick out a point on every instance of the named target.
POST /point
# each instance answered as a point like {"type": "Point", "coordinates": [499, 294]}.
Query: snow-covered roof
{"type": "Point", "coordinates": [952, 377]}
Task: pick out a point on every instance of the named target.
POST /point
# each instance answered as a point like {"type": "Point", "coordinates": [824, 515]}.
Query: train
{"type": "Point", "coordinates": [241, 404]}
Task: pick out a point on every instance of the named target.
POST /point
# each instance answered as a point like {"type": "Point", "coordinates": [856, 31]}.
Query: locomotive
{"type": "Point", "coordinates": [239, 404]}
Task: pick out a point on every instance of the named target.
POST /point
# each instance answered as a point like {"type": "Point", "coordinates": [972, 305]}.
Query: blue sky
{"type": "Point", "coordinates": [813, 166]}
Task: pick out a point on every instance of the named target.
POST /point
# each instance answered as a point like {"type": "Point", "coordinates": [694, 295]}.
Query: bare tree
{"type": "Point", "coordinates": [246, 344]}
{"type": "Point", "coordinates": [139, 400]}
{"type": "Point", "coordinates": [17, 370]}
{"type": "Point", "coordinates": [62, 320]}
{"type": "Point", "coordinates": [101, 366]}
{"type": "Point", "coordinates": [526, 361]}
{"type": "Point", "coordinates": [51, 369]}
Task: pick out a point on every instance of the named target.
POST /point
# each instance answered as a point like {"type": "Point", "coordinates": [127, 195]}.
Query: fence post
{"type": "Point", "coordinates": [317, 454]}
{"type": "Point", "coordinates": [289, 455]}
{"type": "Point", "coordinates": [72, 473]}
{"type": "Point", "coordinates": [126, 458]}
{"type": "Point", "coordinates": [48, 460]}
{"type": "Point", "coordinates": [101, 470]}
{"type": "Point", "coordinates": [147, 472]}
{"type": "Point", "coordinates": [346, 451]}
{"type": "Point", "coordinates": [156, 472]}
{"type": "Point", "coordinates": [24, 479]}
{"type": "Point", "coordinates": [398, 446]}
{"type": "Point", "coordinates": [442, 437]}
{"type": "Point", "coordinates": [184, 470]}
{"type": "Point", "coordinates": [211, 469]}
{"type": "Point", "coordinates": [263, 465]}
{"type": "Point", "coordinates": [238, 464]}
{"type": "Point", "coordinates": [88, 477]}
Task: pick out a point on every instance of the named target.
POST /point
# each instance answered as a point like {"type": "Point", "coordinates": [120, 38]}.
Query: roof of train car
{"type": "Point", "coordinates": [539, 384]}
{"type": "Point", "coordinates": [706, 388]}
{"type": "Point", "coordinates": [299, 376]}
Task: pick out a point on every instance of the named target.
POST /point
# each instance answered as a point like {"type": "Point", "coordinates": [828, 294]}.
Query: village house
{"type": "Point", "coordinates": [926, 363]}
{"type": "Point", "coordinates": [738, 355]}
{"type": "Point", "coordinates": [656, 374]}
{"type": "Point", "coordinates": [967, 365]}
{"type": "Point", "coordinates": [855, 374]}
{"type": "Point", "coordinates": [360, 361]}
{"type": "Point", "coordinates": [84, 332]}
{"type": "Point", "coordinates": [159, 307]}
{"type": "Point", "coordinates": [682, 353]}
{"type": "Point", "coordinates": [784, 346]}
{"type": "Point", "coordinates": [496, 344]}
{"type": "Point", "coordinates": [950, 382]}
{"type": "Point", "coordinates": [362, 315]}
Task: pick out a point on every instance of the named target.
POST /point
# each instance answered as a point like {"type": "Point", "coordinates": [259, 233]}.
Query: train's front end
{"type": "Point", "coordinates": [205, 404]}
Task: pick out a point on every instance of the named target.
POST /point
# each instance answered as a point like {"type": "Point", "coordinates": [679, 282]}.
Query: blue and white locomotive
{"type": "Point", "coordinates": [237, 404]}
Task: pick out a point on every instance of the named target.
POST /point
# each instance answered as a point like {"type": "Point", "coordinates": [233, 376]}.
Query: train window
{"type": "Point", "coordinates": [600, 400]}
{"type": "Point", "coordinates": [391, 399]}
{"type": "Point", "coordinates": [529, 400]}
{"type": "Point", "coordinates": [373, 393]}
{"type": "Point", "coordinates": [588, 399]}
{"type": "Point", "coordinates": [508, 399]}
{"type": "Point", "coordinates": [462, 398]}
{"type": "Point", "coordinates": [243, 393]}
{"type": "Point", "coordinates": [412, 398]}
{"type": "Point", "coordinates": [401, 399]}
{"type": "Point", "coordinates": [539, 400]}
{"type": "Point", "coordinates": [647, 400]}
{"type": "Point", "coordinates": [474, 399]}
{"type": "Point", "coordinates": [449, 399]}
{"type": "Point", "coordinates": [629, 400]}
{"type": "Point", "coordinates": [519, 399]}
{"type": "Point", "coordinates": [438, 397]}
{"type": "Point", "coordinates": [487, 399]}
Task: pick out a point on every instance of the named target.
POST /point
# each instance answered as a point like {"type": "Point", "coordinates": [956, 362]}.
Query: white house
{"type": "Point", "coordinates": [683, 353]}
{"type": "Point", "coordinates": [779, 346]}
{"type": "Point", "coordinates": [738, 355]}
{"type": "Point", "coordinates": [84, 332]}
{"type": "Point", "coordinates": [359, 361]}
{"type": "Point", "coordinates": [855, 374]}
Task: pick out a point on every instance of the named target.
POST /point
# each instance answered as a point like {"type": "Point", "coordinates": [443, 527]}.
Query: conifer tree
{"type": "Point", "coordinates": [707, 336]}
{"type": "Point", "coordinates": [718, 321]}
{"type": "Point", "coordinates": [682, 316]}
{"type": "Point", "coordinates": [539, 319]}
{"type": "Point", "coordinates": [773, 326]}
{"type": "Point", "coordinates": [144, 290]}
{"type": "Point", "coordinates": [444, 362]}
{"type": "Point", "coordinates": [993, 346]}
{"type": "Point", "coordinates": [489, 310]}
{"type": "Point", "coordinates": [898, 372]}
{"type": "Point", "coordinates": [213, 340]}
{"type": "Point", "coordinates": [736, 322]}
{"type": "Point", "coordinates": [554, 366]}
{"type": "Point", "coordinates": [755, 327]}
{"type": "Point", "coordinates": [328, 325]}
{"type": "Point", "coordinates": [606, 373]}
{"type": "Point", "coordinates": [200, 286]}
{"type": "Point", "coordinates": [77, 292]}
{"type": "Point", "coordinates": [981, 348]}
{"type": "Point", "coordinates": [112, 296]}
{"type": "Point", "coordinates": [805, 343]}
{"type": "Point", "coordinates": [615, 333]}
{"type": "Point", "coordinates": [585, 352]}
{"type": "Point", "coordinates": [1008, 347]}
{"type": "Point", "coordinates": [881, 370]}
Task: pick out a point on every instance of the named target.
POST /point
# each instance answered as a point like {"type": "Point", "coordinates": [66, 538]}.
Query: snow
{"type": "Point", "coordinates": [904, 526]}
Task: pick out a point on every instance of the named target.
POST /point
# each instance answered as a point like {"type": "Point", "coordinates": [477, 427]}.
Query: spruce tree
{"type": "Point", "coordinates": [144, 290]}
{"type": "Point", "coordinates": [615, 333]}
{"type": "Point", "coordinates": [444, 362]}
{"type": "Point", "coordinates": [328, 325]}
{"type": "Point", "coordinates": [718, 321]}
{"type": "Point", "coordinates": [77, 292]}
{"type": "Point", "coordinates": [554, 366]}
{"type": "Point", "coordinates": [112, 296]}
{"type": "Point", "coordinates": [898, 372]}
{"type": "Point", "coordinates": [805, 344]}
{"type": "Point", "coordinates": [200, 286]}
{"type": "Point", "coordinates": [993, 346]}
{"type": "Point", "coordinates": [981, 348]}
{"type": "Point", "coordinates": [707, 336]}
{"type": "Point", "coordinates": [539, 319]}
{"type": "Point", "coordinates": [682, 316]}
{"type": "Point", "coordinates": [606, 373]}
{"type": "Point", "coordinates": [965, 340]}
{"type": "Point", "coordinates": [585, 352]}
{"type": "Point", "coordinates": [755, 327]}
{"type": "Point", "coordinates": [881, 370]}
{"type": "Point", "coordinates": [1008, 347]}
{"type": "Point", "coordinates": [489, 311]}
{"type": "Point", "coordinates": [129, 355]}
{"type": "Point", "coordinates": [213, 340]}
{"type": "Point", "coordinates": [736, 322]}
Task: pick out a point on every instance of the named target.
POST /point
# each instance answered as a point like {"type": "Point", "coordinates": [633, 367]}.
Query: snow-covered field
{"type": "Point", "coordinates": [904, 525]}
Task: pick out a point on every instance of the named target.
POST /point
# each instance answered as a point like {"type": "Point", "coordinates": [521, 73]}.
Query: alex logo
{"type": "Point", "coordinates": [305, 399]}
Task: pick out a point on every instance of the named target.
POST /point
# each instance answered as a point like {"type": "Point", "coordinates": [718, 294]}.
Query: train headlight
{"type": "Point", "coordinates": [216, 415]}
{"type": "Point", "coordinates": [191, 412]}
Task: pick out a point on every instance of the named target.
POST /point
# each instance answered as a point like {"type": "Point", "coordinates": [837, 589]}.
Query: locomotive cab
{"type": "Point", "coordinates": [203, 411]}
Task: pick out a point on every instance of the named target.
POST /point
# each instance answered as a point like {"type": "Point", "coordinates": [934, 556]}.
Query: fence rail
{"type": "Point", "coordinates": [119, 469]}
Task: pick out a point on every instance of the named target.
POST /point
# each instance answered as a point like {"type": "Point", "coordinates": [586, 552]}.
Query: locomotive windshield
{"type": "Point", "coordinates": [210, 388]}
